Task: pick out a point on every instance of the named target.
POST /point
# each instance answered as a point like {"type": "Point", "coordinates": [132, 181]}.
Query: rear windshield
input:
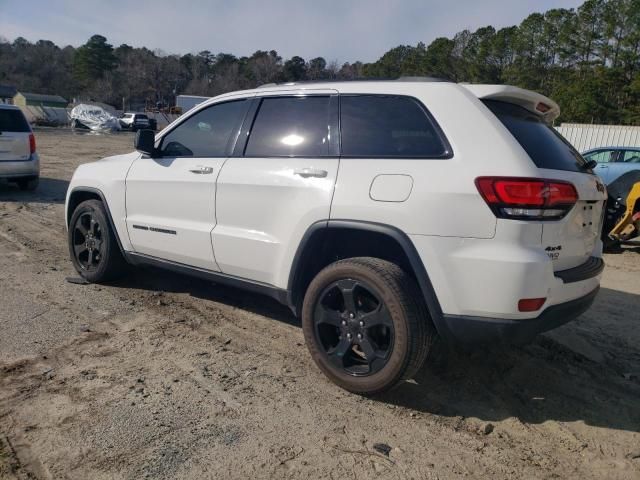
{"type": "Point", "coordinates": [12, 120]}
{"type": "Point", "coordinates": [142, 117]}
{"type": "Point", "coordinates": [546, 147]}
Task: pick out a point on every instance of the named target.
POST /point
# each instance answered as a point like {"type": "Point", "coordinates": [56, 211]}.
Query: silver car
{"type": "Point", "coordinates": [19, 160]}
{"type": "Point", "coordinates": [613, 162]}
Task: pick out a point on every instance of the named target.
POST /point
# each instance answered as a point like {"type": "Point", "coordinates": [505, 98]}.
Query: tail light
{"type": "Point", "coordinates": [32, 143]}
{"type": "Point", "coordinates": [527, 198]}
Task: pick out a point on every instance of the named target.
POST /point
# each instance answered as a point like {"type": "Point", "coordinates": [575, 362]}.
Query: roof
{"type": "Point", "coordinates": [532, 101]}
{"type": "Point", "coordinates": [39, 97]}
{"type": "Point", "coordinates": [613, 147]}
{"type": "Point", "coordinates": [398, 86]}
{"type": "Point", "coordinates": [6, 91]}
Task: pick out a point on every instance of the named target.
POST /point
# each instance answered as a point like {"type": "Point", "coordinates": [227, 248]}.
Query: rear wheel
{"type": "Point", "coordinates": [366, 325]}
{"type": "Point", "coordinates": [92, 243]}
{"type": "Point", "coordinates": [28, 184]}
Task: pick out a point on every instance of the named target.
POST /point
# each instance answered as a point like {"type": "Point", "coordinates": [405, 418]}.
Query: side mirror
{"type": "Point", "coordinates": [145, 142]}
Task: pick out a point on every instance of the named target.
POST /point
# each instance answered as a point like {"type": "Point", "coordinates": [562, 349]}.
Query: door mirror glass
{"type": "Point", "coordinates": [145, 142]}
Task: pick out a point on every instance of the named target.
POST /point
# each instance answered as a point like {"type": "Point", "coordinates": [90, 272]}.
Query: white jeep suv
{"type": "Point", "coordinates": [383, 213]}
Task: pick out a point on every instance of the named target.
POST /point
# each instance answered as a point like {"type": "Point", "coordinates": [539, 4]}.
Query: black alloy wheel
{"type": "Point", "coordinates": [354, 327]}
{"type": "Point", "coordinates": [93, 245]}
{"type": "Point", "coordinates": [366, 324]}
{"type": "Point", "coordinates": [88, 241]}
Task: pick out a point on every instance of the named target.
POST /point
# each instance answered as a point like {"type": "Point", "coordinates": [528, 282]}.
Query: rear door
{"type": "Point", "coordinates": [278, 184]}
{"type": "Point", "coordinates": [571, 240]}
{"type": "Point", "coordinates": [14, 135]}
{"type": "Point", "coordinates": [170, 199]}
{"type": "Point", "coordinates": [627, 160]}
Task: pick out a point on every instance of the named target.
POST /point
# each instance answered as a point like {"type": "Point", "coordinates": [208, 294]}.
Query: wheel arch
{"type": "Point", "coordinates": [81, 194]}
{"type": "Point", "coordinates": [327, 241]}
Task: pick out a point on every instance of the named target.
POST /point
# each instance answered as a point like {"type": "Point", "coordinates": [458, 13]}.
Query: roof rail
{"type": "Point", "coordinates": [422, 79]}
{"type": "Point", "coordinates": [370, 79]}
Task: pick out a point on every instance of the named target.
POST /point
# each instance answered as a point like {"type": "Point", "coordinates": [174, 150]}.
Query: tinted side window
{"type": "Point", "coordinates": [12, 120]}
{"type": "Point", "coordinates": [205, 134]}
{"type": "Point", "coordinates": [387, 126]}
{"type": "Point", "coordinates": [546, 147]}
{"type": "Point", "coordinates": [290, 126]}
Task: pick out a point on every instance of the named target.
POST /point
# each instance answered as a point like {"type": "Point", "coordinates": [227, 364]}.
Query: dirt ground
{"type": "Point", "coordinates": [164, 376]}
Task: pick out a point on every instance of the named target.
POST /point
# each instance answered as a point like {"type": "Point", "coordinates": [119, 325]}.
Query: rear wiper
{"type": "Point", "coordinates": [589, 165]}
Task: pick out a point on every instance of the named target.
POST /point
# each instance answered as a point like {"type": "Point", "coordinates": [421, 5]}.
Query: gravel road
{"type": "Point", "coordinates": [164, 376]}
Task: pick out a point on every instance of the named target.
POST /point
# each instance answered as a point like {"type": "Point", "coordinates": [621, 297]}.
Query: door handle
{"type": "Point", "coordinates": [310, 172]}
{"type": "Point", "coordinates": [202, 170]}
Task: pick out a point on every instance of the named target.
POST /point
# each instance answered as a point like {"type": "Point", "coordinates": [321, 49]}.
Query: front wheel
{"type": "Point", "coordinates": [366, 325]}
{"type": "Point", "coordinates": [92, 243]}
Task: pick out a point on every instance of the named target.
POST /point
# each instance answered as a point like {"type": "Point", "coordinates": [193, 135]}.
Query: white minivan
{"type": "Point", "coordinates": [19, 160]}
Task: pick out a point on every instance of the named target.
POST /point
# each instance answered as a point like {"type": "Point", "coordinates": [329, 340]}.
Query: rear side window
{"type": "Point", "coordinates": [630, 156]}
{"type": "Point", "coordinates": [546, 147]}
{"type": "Point", "coordinates": [207, 133]}
{"type": "Point", "coordinates": [387, 126]}
{"type": "Point", "coordinates": [12, 120]}
{"type": "Point", "coordinates": [290, 127]}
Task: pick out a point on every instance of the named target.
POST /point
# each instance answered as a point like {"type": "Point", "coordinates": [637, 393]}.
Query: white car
{"type": "Point", "coordinates": [382, 213]}
{"type": "Point", "coordinates": [19, 161]}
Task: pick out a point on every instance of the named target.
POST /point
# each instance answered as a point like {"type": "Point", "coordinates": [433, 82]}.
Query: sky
{"type": "Point", "coordinates": [341, 30]}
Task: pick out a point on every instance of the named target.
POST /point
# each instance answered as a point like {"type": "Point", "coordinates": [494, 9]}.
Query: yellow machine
{"type": "Point", "coordinates": [629, 225]}
{"type": "Point", "coordinates": [622, 220]}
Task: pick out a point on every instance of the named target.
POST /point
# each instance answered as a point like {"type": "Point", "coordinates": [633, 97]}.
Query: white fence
{"type": "Point", "coordinates": [585, 136]}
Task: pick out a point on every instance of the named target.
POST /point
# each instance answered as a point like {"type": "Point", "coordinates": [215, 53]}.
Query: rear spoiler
{"type": "Point", "coordinates": [532, 101]}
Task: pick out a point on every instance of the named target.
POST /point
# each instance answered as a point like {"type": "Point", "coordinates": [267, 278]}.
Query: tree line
{"type": "Point", "coordinates": [587, 59]}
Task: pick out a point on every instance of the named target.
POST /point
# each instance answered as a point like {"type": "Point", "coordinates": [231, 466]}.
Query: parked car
{"type": "Point", "coordinates": [19, 161]}
{"type": "Point", "coordinates": [383, 213]}
{"type": "Point", "coordinates": [614, 161]}
{"type": "Point", "coordinates": [137, 121]}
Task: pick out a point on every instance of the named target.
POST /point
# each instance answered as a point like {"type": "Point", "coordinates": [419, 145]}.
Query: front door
{"type": "Point", "coordinates": [605, 158]}
{"type": "Point", "coordinates": [279, 184]}
{"type": "Point", "coordinates": [170, 199]}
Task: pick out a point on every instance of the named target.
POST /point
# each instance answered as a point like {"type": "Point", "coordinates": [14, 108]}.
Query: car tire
{"type": "Point", "coordinates": [93, 246]}
{"type": "Point", "coordinates": [366, 325]}
{"type": "Point", "coordinates": [28, 185]}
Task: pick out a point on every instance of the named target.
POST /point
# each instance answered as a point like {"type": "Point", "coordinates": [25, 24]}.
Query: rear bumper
{"type": "Point", "coordinates": [20, 168]}
{"type": "Point", "coordinates": [468, 330]}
